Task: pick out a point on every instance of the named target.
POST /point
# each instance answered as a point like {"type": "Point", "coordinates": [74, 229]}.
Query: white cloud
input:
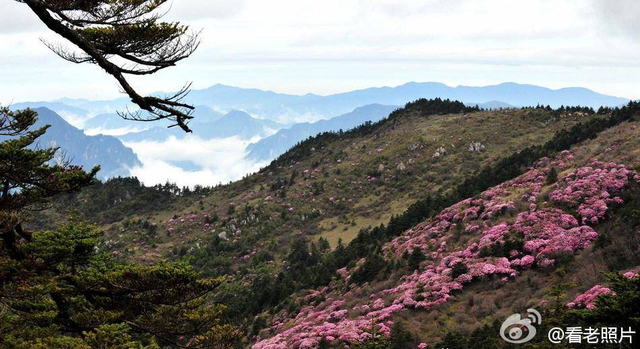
{"type": "Point", "coordinates": [112, 131]}
{"type": "Point", "coordinates": [336, 45]}
{"type": "Point", "coordinates": [74, 119]}
{"type": "Point", "coordinates": [16, 17]}
{"type": "Point", "coordinates": [219, 161]}
{"type": "Point", "coordinates": [620, 16]}
{"type": "Point", "coordinates": [205, 9]}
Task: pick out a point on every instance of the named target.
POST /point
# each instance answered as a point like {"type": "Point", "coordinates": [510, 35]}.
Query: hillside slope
{"type": "Point", "coordinates": [333, 185]}
{"type": "Point", "coordinates": [336, 184]}
{"type": "Point", "coordinates": [277, 144]}
{"type": "Point", "coordinates": [308, 214]}
{"type": "Point", "coordinates": [485, 246]}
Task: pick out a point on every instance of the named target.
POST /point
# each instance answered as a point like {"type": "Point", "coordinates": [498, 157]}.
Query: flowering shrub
{"type": "Point", "coordinates": [591, 189]}
{"type": "Point", "coordinates": [498, 249]}
{"type": "Point", "coordinates": [190, 222]}
{"type": "Point", "coordinates": [524, 263]}
{"type": "Point", "coordinates": [588, 298]}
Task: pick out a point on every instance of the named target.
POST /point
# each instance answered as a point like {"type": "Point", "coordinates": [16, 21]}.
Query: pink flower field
{"type": "Point", "coordinates": [521, 224]}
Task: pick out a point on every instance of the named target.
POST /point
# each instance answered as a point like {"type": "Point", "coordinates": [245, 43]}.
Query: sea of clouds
{"type": "Point", "coordinates": [211, 162]}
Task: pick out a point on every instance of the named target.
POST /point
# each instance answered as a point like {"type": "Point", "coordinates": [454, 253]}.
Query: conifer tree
{"type": "Point", "coordinates": [552, 177]}
{"type": "Point", "coordinates": [415, 258]}
{"type": "Point", "coordinates": [58, 290]}
{"type": "Point", "coordinates": [26, 177]}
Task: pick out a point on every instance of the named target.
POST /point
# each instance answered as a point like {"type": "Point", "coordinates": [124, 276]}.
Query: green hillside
{"type": "Point", "coordinates": [287, 227]}
{"type": "Point", "coordinates": [330, 186]}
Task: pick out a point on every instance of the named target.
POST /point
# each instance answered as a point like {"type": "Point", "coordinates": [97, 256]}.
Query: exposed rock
{"type": "Point", "coordinates": [440, 152]}
{"type": "Point", "coordinates": [476, 147]}
{"type": "Point", "coordinates": [414, 146]}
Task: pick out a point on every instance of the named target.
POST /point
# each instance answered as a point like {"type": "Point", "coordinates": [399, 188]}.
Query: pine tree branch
{"type": "Point", "coordinates": [159, 108]}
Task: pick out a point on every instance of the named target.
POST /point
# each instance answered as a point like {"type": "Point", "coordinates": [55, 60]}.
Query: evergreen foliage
{"type": "Point", "coordinates": [415, 258]}
{"type": "Point", "coordinates": [58, 290]}
{"type": "Point", "coordinates": [552, 177]}
{"type": "Point", "coordinates": [616, 309]}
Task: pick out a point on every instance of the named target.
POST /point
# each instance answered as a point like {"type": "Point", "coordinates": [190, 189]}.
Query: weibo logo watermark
{"type": "Point", "coordinates": [518, 330]}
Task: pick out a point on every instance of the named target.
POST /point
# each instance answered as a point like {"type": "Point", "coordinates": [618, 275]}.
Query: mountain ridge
{"type": "Point", "coordinates": [340, 103]}
{"type": "Point", "coordinates": [233, 124]}
{"type": "Point", "coordinates": [275, 145]}
{"type": "Point", "coordinates": [88, 151]}
{"type": "Point", "coordinates": [292, 108]}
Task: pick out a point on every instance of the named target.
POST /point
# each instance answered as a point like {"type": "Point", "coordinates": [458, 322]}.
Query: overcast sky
{"type": "Point", "coordinates": [332, 46]}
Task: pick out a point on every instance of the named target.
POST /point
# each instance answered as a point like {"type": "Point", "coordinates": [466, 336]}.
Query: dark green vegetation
{"type": "Point", "coordinates": [57, 290]}
{"type": "Point", "coordinates": [118, 198]}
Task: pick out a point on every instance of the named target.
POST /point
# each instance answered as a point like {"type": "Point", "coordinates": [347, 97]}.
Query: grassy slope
{"type": "Point", "coordinates": [343, 169]}
{"type": "Point", "coordinates": [492, 299]}
{"type": "Point", "coordinates": [483, 303]}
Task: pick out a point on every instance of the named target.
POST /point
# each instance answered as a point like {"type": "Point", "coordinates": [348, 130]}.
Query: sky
{"type": "Point", "coordinates": [332, 46]}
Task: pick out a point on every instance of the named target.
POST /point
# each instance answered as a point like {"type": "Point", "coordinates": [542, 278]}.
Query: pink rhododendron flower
{"type": "Point", "coordinates": [588, 298]}
{"type": "Point", "coordinates": [543, 228]}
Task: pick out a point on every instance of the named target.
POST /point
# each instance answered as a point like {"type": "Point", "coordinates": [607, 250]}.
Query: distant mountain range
{"type": "Point", "coordinates": [115, 124]}
{"type": "Point", "coordinates": [88, 151]}
{"type": "Point", "coordinates": [311, 107]}
{"type": "Point", "coordinates": [97, 107]}
{"type": "Point", "coordinates": [492, 105]}
{"type": "Point", "coordinates": [233, 124]}
{"type": "Point", "coordinates": [73, 115]}
{"type": "Point", "coordinates": [273, 146]}
{"type": "Point", "coordinates": [216, 100]}
{"type": "Point", "coordinates": [225, 111]}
